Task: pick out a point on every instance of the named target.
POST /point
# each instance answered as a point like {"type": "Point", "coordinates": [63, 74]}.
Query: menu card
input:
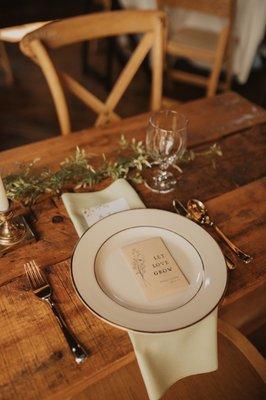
{"type": "Point", "coordinates": [154, 268]}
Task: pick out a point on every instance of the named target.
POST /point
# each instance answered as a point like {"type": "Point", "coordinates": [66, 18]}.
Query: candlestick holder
{"type": "Point", "coordinates": [14, 231]}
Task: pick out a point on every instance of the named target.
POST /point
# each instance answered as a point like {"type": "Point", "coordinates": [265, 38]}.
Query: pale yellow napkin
{"type": "Point", "coordinates": [167, 357]}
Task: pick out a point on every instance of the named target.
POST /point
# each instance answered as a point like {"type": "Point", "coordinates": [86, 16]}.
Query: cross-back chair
{"type": "Point", "coordinates": [37, 44]}
{"type": "Point", "coordinates": [241, 375]}
{"type": "Point", "coordinates": [202, 44]}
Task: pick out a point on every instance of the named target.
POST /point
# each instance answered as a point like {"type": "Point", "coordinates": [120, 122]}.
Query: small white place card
{"type": "Point", "coordinates": [95, 214]}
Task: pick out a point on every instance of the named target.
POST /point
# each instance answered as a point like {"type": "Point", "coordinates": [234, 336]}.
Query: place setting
{"type": "Point", "coordinates": [131, 227]}
{"type": "Point", "coordinates": [108, 278]}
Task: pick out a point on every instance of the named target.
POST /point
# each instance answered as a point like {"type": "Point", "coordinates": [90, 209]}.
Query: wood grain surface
{"type": "Point", "coordinates": [34, 358]}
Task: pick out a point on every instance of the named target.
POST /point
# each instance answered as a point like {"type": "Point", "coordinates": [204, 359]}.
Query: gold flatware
{"type": "Point", "coordinates": [181, 209]}
{"type": "Point", "coordinates": [199, 213]}
{"type": "Point", "coordinates": [43, 290]}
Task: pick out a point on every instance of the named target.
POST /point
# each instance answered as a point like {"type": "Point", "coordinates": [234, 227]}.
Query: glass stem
{"type": "Point", "coordinates": [163, 166]}
{"type": "Point", "coordinates": [162, 171]}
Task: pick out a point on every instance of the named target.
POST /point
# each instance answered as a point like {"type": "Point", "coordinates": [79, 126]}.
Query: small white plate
{"type": "Point", "coordinates": [107, 286]}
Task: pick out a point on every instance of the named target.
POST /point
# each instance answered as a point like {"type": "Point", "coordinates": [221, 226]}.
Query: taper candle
{"type": "Point", "coordinates": [4, 205]}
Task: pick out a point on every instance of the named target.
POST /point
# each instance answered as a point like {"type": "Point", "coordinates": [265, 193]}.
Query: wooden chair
{"type": "Point", "coordinates": [203, 45]}
{"type": "Point", "coordinates": [95, 26]}
{"type": "Point", "coordinates": [241, 376]}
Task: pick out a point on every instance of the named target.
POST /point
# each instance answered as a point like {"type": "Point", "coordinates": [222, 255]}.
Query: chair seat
{"type": "Point", "coordinates": [200, 44]}
{"type": "Point", "coordinates": [235, 379]}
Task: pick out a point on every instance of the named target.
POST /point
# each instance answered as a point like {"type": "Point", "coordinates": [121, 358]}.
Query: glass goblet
{"type": "Point", "coordinates": [165, 142]}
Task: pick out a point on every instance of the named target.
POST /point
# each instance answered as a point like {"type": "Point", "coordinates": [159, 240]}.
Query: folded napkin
{"type": "Point", "coordinates": [166, 357]}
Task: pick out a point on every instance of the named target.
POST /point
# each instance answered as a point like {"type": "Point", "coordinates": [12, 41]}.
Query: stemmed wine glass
{"type": "Point", "coordinates": [165, 142]}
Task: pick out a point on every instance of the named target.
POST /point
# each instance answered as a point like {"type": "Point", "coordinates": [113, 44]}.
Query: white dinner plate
{"type": "Point", "coordinates": [106, 284]}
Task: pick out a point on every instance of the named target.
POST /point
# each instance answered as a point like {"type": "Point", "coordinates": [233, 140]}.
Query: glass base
{"type": "Point", "coordinates": [164, 182]}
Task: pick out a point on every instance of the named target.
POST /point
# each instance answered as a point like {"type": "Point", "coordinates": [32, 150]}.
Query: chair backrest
{"type": "Point", "coordinates": [220, 8]}
{"type": "Point", "coordinates": [151, 24]}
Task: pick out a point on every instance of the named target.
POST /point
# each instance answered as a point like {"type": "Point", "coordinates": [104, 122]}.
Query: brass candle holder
{"type": "Point", "coordinates": [14, 231]}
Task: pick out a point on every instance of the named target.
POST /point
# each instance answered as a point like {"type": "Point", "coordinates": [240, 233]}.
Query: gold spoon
{"type": "Point", "coordinates": [181, 209]}
{"type": "Point", "coordinates": [199, 212]}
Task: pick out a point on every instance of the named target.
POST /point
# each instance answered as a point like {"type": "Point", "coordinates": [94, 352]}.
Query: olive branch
{"type": "Point", "coordinates": [31, 182]}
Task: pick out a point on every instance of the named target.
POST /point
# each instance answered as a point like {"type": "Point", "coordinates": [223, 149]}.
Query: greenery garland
{"type": "Point", "coordinates": [30, 182]}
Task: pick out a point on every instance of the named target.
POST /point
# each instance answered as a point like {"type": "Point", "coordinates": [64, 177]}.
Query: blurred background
{"type": "Point", "coordinates": [27, 110]}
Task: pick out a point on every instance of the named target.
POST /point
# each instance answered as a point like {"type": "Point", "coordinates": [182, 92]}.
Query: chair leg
{"type": "Point", "coordinates": [228, 74]}
{"type": "Point", "coordinates": [84, 56]}
{"type": "Point", "coordinates": [5, 64]}
{"type": "Point", "coordinates": [110, 61]}
{"type": "Point", "coordinates": [214, 79]}
{"type": "Point", "coordinates": [221, 48]}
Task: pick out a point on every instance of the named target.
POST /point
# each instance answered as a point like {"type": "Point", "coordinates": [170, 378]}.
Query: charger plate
{"type": "Point", "coordinates": [107, 286]}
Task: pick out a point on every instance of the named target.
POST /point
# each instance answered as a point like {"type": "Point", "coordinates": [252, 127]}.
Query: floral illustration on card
{"type": "Point", "coordinates": [138, 262]}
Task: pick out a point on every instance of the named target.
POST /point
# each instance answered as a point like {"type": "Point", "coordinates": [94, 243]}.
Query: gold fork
{"type": "Point", "coordinates": [42, 289]}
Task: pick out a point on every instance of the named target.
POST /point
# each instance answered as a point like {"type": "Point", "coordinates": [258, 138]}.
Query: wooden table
{"type": "Point", "coordinates": [34, 358]}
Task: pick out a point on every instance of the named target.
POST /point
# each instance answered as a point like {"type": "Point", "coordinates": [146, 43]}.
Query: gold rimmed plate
{"type": "Point", "coordinates": [108, 288]}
